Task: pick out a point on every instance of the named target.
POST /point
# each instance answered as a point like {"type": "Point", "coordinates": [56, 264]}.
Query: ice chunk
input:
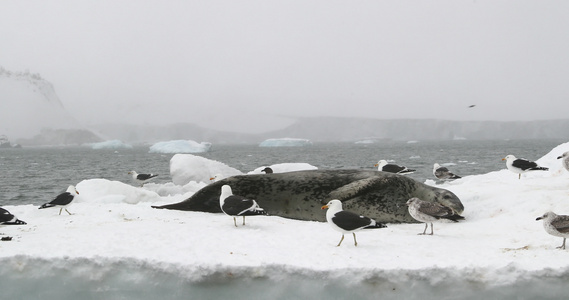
{"type": "Point", "coordinates": [187, 167]}
{"type": "Point", "coordinates": [180, 146]}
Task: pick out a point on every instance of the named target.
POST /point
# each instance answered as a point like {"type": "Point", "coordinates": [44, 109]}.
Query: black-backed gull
{"type": "Point", "coordinates": [142, 178]}
{"type": "Point", "coordinates": [384, 166]}
{"type": "Point", "coordinates": [521, 165]}
{"type": "Point", "coordinates": [6, 218]}
{"type": "Point", "coordinates": [233, 205]}
{"type": "Point", "coordinates": [346, 221]}
{"type": "Point", "coordinates": [62, 200]}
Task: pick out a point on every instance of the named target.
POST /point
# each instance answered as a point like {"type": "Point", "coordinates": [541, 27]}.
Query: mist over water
{"type": "Point", "coordinates": [37, 175]}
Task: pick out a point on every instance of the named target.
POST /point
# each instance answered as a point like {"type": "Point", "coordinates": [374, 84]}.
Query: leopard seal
{"type": "Point", "coordinates": [300, 194]}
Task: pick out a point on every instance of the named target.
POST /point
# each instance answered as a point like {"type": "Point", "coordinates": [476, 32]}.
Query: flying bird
{"type": "Point", "coordinates": [142, 178]}
{"type": "Point", "coordinates": [556, 225]}
{"type": "Point", "coordinates": [234, 205]}
{"type": "Point", "coordinates": [6, 218]}
{"type": "Point", "coordinates": [384, 166]}
{"type": "Point", "coordinates": [521, 165]}
{"type": "Point", "coordinates": [62, 200]}
{"type": "Point", "coordinates": [471, 106]}
{"type": "Point", "coordinates": [346, 221]}
{"type": "Point", "coordinates": [565, 160]}
{"type": "Point", "coordinates": [430, 212]}
{"type": "Point", "coordinates": [443, 173]}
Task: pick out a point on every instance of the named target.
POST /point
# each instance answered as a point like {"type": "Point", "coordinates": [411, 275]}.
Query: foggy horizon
{"type": "Point", "coordinates": [251, 65]}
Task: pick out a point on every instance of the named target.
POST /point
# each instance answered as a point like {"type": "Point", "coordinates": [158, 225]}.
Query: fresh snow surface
{"type": "Point", "coordinates": [180, 146]}
{"type": "Point", "coordinates": [116, 244]}
{"type": "Point", "coordinates": [112, 144]}
{"type": "Point", "coordinates": [285, 142]}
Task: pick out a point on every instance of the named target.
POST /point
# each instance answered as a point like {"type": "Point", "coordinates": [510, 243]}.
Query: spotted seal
{"type": "Point", "coordinates": [299, 195]}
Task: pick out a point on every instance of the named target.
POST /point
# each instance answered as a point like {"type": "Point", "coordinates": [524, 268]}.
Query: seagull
{"type": "Point", "coordinates": [233, 205]}
{"type": "Point", "coordinates": [556, 225]}
{"type": "Point", "coordinates": [6, 218]}
{"type": "Point", "coordinates": [521, 165]}
{"type": "Point", "coordinates": [429, 212]}
{"type": "Point", "coordinates": [267, 170]}
{"type": "Point", "coordinates": [62, 200]}
{"type": "Point", "coordinates": [565, 161]}
{"type": "Point", "coordinates": [382, 165]}
{"type": "Point", "coordinates": [443, 173]}
{"type": "Point", "coordinates": [346, 222]}
{"type": "Point", "coordinates": [143, 178]}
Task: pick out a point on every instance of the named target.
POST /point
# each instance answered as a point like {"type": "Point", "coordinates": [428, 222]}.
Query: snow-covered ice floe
{"type": "Point", "coordinates": [285, 142]}
{"type": "Point", "coordinates": [115, 247]}
{"type": "Point", "coordinates": [180, 146]}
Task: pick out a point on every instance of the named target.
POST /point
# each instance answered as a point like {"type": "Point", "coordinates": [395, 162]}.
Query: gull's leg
{"type": "Point", "coordinates": [424, 231]}
{"type": "Point", "coordinates": [563, 245]}
{"type": "Point", "coordinates": [340, 241]}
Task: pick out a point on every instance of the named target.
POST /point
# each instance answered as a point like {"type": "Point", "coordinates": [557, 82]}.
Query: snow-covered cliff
{"type": "Point", "coordinates": [28, 104]}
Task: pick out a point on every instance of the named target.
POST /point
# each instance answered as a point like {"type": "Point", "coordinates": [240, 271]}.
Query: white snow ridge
{"type": "Point", "coordinates": [115, 246]}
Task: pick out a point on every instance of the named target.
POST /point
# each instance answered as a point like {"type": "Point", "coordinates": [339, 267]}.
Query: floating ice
{"type": "Point", "coordinates": [112, 144]}
{"type": "Point", "coordinates": [180, 146]}
{"type": "Point", "coordinates": [285, 142]}
{"type": "Point", "coordinates": [365, 142]}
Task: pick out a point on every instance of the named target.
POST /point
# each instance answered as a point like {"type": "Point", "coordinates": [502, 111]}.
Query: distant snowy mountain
{"type": "Point", "coordinates": [29, 105]}
{"type": "Point", "coordinates": [333, 129]}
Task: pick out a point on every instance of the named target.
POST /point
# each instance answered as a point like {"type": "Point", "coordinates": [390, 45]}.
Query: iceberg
{"type": "Point", "coordinates": [112, 144]}
{"type": "Point", "coordinates": [185, 168]}
{"type": "Point", "coordinates": [365, 142]}
{"type": "Point", "coordinates": [180, 146]}
{"type": "Point", "coordinates": [285, 142]}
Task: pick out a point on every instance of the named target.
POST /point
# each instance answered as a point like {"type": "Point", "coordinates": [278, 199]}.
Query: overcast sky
{"type": "Point", "coordinates": [246, 65]}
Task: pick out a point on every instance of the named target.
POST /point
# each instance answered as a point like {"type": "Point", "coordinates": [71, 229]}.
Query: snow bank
{"type": "Point", "coordinates": [285, 142]}
{"type": "Point", "coordinates": [285, 167]}
{"type": "Point", "coordinates": [185, 168]}
{"type": "Point", "coordinates": [112, 144]}
{"type": "Point", "coordinates": [180, 146]}
{"type": "Point", "coordinates": [115, 247]}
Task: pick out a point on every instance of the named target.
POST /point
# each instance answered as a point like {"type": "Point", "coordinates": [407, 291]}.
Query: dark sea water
{"type": "Point", "coordinates": [37, 175]}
